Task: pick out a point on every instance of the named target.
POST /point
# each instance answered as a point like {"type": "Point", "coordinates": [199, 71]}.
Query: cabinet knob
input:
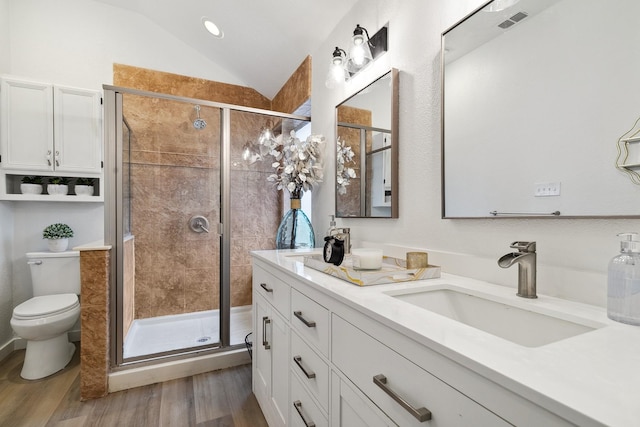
{"type": "Point", "coordinates": [49, 157]}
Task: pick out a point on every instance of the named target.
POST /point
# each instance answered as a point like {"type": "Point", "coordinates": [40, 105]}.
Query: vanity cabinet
{"type": "Point", "coordinates": [335, 365]}
{"type": "Point", "coordinates": [50, 128]}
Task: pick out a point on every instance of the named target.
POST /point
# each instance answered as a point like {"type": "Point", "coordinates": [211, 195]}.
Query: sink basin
{"type": "Point", "coordinates": [502, 318]}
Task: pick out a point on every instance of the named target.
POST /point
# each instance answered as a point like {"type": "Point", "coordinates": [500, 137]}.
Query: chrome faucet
{"type": "Point", "coordinates": [526, 259]}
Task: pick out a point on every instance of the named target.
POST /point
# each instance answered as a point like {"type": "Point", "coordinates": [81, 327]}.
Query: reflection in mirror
{"type": "Point", "coordinates": [367, 151]}
{"type": "Point", "coordinates": [535, 98]}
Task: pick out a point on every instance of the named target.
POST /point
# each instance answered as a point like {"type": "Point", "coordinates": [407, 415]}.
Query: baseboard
{"type": "Point", "coordinates": [150, 374]}
{"type": "Point", "coordinates": [9, 347]}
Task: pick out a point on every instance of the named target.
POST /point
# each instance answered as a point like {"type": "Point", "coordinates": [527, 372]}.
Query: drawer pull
{"type": "Point", "coordinates": [264, 286]}
{"type": "Point", "coordinates": [421, 414]}
{"type": "Point", "coordinates": [298, 361]}
{"type": "Point", "coordinates": [265, 343]}
{"type": "Point", "coordinates": [308, 323]}
{"type": "Point", "coordinates": [298, 405]}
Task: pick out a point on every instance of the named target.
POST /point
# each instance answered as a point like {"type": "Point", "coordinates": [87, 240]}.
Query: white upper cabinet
{"type": "Point", "coordinates": [50, 128]}
{"type": "Point", "coordinates": [77, 128]}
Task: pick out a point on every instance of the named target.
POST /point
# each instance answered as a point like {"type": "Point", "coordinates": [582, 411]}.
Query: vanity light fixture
{"type": "Point", "coordinates": [362, 51]}
{"type": "Point", "coordinates": [338, 73]}
{"type": "Point", "coordinates": [212, 28]}
{"type": "Point", "coordinates": [359, 50]}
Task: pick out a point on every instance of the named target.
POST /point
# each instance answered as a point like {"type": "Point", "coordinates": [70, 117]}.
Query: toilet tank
{"type": "Point", "coordinates": [54, 272]}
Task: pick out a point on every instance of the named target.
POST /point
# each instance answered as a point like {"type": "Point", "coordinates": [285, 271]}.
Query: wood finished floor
{"type": "Point", "coordinates": [213, 399]}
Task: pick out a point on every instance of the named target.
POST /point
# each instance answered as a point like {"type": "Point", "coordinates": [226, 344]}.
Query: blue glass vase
{"type": "Point", "coordinates": [295, 230]}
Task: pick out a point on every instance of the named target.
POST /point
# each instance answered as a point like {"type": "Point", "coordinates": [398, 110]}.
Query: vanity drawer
{"type": "Point", "coordinates": [311, 320]}
{"type": "Point", "coordinates": [304, 411]}
{"type": "Point", "coordinates": [311, 370]}
{"type": "Point", "coordinates": [409, 395]}
{"type": "Point", "coordinates": [274, 290]}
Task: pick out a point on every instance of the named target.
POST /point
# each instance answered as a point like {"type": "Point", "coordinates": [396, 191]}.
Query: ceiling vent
{"type": "Point", "coordinates": [513, 20]}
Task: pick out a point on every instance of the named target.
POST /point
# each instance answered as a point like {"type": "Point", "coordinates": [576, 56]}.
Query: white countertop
{"type": "Point", "coordinates": [596, 374]}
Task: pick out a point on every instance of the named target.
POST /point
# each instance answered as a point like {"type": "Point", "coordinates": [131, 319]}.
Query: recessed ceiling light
{"type": "Point", "coordinates": [212, 28]}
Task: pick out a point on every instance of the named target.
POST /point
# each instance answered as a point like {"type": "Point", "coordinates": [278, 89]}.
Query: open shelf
{"type": "Point", "coordinates": [10, 190]}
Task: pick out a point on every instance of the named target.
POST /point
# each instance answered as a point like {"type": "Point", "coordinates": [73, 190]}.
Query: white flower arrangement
{"type": "Point", "coordinates": [344, 173]}
{"type": "Point", "coordinates": [298, 163]}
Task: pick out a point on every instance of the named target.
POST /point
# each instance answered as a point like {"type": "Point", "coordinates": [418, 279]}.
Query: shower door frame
{"type": "Point", "coordinates": [113, 231]}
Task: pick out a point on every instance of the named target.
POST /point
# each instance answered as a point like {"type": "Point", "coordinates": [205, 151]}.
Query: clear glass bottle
{"type": "Point", "coordinates": [623, 282]}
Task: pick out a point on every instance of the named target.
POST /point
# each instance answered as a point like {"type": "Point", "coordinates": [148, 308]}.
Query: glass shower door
{"type": "Point", "coordinates": [171, 211]}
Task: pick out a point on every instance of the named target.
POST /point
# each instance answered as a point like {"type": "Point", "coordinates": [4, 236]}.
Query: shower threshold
{"type": "Point", "coordinates": [181, 331]}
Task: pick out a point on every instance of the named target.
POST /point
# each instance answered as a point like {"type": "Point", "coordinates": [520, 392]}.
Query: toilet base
{"type": "Point", "coordinates": [46, 357]}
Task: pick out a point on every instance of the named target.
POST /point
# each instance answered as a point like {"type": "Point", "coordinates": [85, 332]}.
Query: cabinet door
{"type": "Point", "coordinates": [78, 130]}
{"type": "Point", "coordinates": [26, 111]}
{"type": "Point", "coordinates": [271, 358]}
{"type": "Point", "coordinates": [261, 353]}
{"type": "Point", "coordinates": [350, 409]}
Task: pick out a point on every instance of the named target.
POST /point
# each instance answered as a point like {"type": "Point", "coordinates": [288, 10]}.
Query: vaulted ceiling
{"type": "Point", "coordinates": [264, 40]}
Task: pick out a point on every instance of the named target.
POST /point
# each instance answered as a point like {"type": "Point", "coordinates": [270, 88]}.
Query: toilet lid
{"type": "Point", "coordinates": [45, 305]}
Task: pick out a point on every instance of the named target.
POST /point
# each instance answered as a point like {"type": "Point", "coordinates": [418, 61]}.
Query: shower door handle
{"type": "Point", "coordinates": [265, 322]}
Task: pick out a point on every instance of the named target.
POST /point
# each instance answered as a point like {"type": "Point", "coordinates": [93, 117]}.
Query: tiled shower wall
{"type": "Point", "coordinates": [175, 174]}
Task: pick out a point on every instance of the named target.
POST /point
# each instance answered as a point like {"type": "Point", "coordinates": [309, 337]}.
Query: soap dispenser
{"type": "Point", "coordinates": [623, 283]}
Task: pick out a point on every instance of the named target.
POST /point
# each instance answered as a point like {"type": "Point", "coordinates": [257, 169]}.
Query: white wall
{"type": "Point", "coordinates": [4, 36]}
{"type": "Point", "coordinates": [6, 293]}
{"type": "Point", "coordinates": [572, 254]}
{"type": "Point", "coordinates": [76, 42]}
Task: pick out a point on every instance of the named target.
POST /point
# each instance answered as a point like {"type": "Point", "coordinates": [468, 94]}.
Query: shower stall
{"type": "Point", "coordinates": [184, 206]}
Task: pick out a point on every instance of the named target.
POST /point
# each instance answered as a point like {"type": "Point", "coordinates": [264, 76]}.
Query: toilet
{"type": "Point", "coordinates": [45, 319]}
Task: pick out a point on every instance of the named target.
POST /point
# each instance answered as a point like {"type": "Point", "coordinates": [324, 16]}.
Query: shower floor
{"type": "Point", "coordinates": [166, 333]}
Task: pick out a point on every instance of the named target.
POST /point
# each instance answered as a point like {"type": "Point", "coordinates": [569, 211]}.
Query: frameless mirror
{"type": "Point", "coordinates": [367, 151]}
{"type": "Point", "coordinates": [536, 95]}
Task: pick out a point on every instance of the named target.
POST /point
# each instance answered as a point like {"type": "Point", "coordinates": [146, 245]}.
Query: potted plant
{"type": "Point", "coordinates": [31, 185]}
{"type": "Point", "coordinates": [57, 236]}
{"type": "Point", "coordinates": [84, 187]}
{"type": "Point", "coordinates": [58, 185]}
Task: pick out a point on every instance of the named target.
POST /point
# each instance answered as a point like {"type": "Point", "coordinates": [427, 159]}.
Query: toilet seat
{"type": "Point", "coordinates": [44, 306]}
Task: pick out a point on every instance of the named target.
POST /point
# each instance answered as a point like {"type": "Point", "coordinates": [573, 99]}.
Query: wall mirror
{"type": "Point", "coordinates": [367, 151]}
{"type": "Point", "coordinates": [536, 96]}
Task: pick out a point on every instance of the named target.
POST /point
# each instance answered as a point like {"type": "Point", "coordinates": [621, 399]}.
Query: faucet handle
{"type": "Point", "coordinates": [524, 246]}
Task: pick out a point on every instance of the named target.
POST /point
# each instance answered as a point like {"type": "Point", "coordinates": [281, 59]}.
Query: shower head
{"type": "Point", "coordinates": [199, 123]}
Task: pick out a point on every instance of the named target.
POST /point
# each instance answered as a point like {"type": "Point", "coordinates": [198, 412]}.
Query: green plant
{"type": "Point", "coordinates": [84, 181]}
{"type": "Point", "coordinates": [57, 231]}
{"type": "Point", "coordinates": [59, 180]}
{"type": "Point", "coordinates": [32, 180]}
